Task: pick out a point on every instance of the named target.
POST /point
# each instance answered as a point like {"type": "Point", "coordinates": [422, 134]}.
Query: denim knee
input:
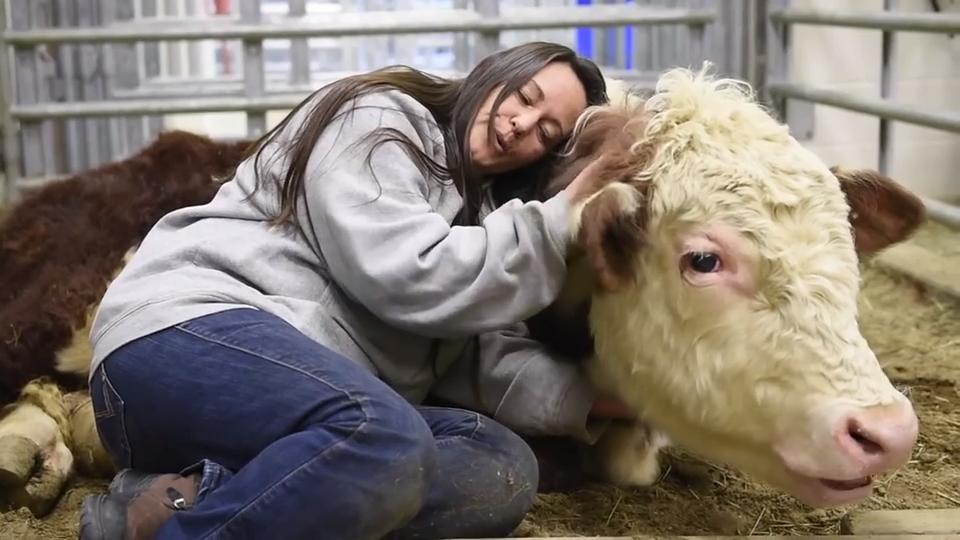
{"type": "Point", "coordinates": [521, 470]}
{"type": "Point", "coordinates": [396, 435]}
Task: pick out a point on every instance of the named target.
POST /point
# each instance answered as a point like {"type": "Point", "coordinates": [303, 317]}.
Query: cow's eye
{"type": "Point", "coordinates": [703, 262]}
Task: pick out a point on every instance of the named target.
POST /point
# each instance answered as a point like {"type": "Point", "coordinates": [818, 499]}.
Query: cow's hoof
{"type": "Point", "coordinates": [44, 487]}
{"type": "Point", "coordinates": [39, 495]}
{"type": "Point", "coordinates": [638, 470]}
{"type": "Point", "coordinates": [628, 454]}
{"type": "Point", "coordinates": [18, 458]}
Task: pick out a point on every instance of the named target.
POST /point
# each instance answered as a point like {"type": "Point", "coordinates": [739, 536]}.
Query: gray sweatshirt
{"type": "Point", "coordinates": [382, 277]}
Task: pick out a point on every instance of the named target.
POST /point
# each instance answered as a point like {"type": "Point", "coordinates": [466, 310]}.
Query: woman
{"type": "Point", "coordinates": [268, 351]}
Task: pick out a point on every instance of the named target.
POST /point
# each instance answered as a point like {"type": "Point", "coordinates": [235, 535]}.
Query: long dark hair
{"type": "Point", "coordinates": [453, 104]}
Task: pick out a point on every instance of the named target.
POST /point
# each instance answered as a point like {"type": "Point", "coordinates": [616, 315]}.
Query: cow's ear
{"type": "Point", "coordinates": [611, 214]}
{"type": "Point", "coordinates": [610, 229]}
{"type": "Point", "coordinates": [882, 212]}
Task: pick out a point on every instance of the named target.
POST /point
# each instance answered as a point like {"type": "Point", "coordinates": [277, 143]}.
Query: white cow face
{"type": "Point", "coordinates": [726, 266]}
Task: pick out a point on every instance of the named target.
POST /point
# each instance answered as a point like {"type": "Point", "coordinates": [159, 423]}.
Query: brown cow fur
{"type": "Point", "coordinates": [608, 135]}
{"type": "Point", "coordinates": [61, 244]}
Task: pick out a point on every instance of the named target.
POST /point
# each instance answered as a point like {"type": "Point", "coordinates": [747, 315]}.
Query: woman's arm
{"type": "Point", "coordinates": [518, 382]}
{"type": "Point", "coordinates": [392, 252]}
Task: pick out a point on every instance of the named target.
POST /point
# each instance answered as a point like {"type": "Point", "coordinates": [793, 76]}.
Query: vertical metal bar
{"type": "Point", "coordinates": [299, 48]}
{"type": "Point", "coordinates": [67, 58]}
{"type": "Point", "coordinates": [643, 44]}
{"type": "Point", "coordinates": [253, 77]}
{"type": "Point", "coordinates": [96, 136]}
{"type": "Point", "coordinates": [43, 16]}
{"type": "Point", "coordinates": [679, 38]}
{"type": "Point", "coordinates": [115, 127]}
{"type": "Point", "coordinates": [488, 42]}
{"type": "Point", "coordinates": [127, 76]}
{"type": "Point", "coordinates": [756, 50]}
{"type": "Point", "coordinates": [461, 43]}
{"type": "Point", "coordinates": [778, 65]}
{"type": "Point", "coordinates": [171, 49]}
{"type": "Point", "coordinates": [11, 147]}
{"type": "Point", "coordinates": [887, 48]}
{"type": "Point", "coordinates": [697, 32]}
{"type": "Point", "coordinates": [148, 64]}
{"type": "Point", "coordinates": [194, 48]}
{"type": "Point", "coordinates": [656, 46]}
{"type": "Point", "coordinates": [27, 90]}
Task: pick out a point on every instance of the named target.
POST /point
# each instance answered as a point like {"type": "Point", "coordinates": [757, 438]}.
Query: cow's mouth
{"type": "Point", "coordinates": [847, 485]}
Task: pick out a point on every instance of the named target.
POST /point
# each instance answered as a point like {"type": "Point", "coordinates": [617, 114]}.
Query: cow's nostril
{"type": "Point", "coordinates": [863, 439]}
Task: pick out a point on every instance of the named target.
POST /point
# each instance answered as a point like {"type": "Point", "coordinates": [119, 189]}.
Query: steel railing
{"type": "Point", "coordinates": [884, 108]}
{"type": "Point", "coordinates": [487, 20]}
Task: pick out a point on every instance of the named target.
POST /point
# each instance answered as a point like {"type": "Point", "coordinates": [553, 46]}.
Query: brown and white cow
{"type": "Point", "coordinates": [59, 248]}
{"type": "Point", "coordinates": [718, 268]}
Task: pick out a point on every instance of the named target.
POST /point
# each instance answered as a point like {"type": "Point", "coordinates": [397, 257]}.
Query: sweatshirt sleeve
{"type": "Point", "coordinates": [515, 380]}
{"type": "Point", "coordinates": [389, 249]}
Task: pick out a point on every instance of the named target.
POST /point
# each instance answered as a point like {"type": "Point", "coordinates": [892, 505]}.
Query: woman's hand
{"type": "Point", "coordinates": [608, 407]}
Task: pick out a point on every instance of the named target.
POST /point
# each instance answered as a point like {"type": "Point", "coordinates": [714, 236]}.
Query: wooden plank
{"type": "Point", "coordinates": [938, 271]}
{"type": "Point", "coordinates": [887, 522]}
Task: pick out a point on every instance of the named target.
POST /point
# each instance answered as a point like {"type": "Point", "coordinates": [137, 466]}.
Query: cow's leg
{"type": "Point", "coordinates": [36, 462]}
{"type": "Point", "coordinates": [90, 457]}
{"type": "Point", "coordinates": [41, 492]}
{"type": "Point", "coordinates": [627, 453]}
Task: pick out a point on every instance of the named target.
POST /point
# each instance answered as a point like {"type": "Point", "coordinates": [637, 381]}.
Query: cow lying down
{"type": "Point", "coordinates": [715, 279]}
{"type": "Point", "coordinates": [717, 272]}
{"type": "Point", "coordinates": [59, 248]}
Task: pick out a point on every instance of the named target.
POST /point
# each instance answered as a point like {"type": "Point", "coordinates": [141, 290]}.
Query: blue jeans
{"type": "Point", "coordinates": [296, 441]}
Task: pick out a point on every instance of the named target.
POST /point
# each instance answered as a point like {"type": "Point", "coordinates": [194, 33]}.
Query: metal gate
{"type": "Point", "coordinates": [775, 56]}
{"type": "Point", "coordinates": [88, 81]}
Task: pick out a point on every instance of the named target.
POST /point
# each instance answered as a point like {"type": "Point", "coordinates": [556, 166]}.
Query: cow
{"type": "Point", "coordinates": [59, 248]}
{"type": "Point", "coordinates": [712, 288]}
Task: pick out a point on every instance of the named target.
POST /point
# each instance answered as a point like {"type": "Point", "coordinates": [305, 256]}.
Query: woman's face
{"type": "Point", "coordinates": [529, 122]}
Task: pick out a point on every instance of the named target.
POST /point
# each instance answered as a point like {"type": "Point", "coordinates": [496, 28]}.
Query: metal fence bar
{"type": "Point", "coordinates": [95, 140]}
{"type": "Point", "coordinates": [27, 88]}
{"type": "Point", "coordinates": [885, 109]}
{"type": "Point", "coordinates": [943, 120]}
{"type": "Point", "coordinates": [11, 146]}
{"type": "Point", "coordinates": [299, 48]}
{"type": "Point", "coordinates": [887, 48]}
{"type": "Point", "coordinates": [172, 104]}
{"type": "Point", "coordinates": [947, 214]}
{"type": "Point", "coordinates": [894, 21]}
{"type": "Point", "coordinates": [488, 39]}
{"type": "Point", "coordinates": [461, 42]}
{"type": "Point", "coordinates": [697, 52]}
{"type": "Point", "coordinates": [254, 83]}
{"type": "Point", "coordinates": [194, 88]}
{"type": "Point", "coordinates": [371, 23]}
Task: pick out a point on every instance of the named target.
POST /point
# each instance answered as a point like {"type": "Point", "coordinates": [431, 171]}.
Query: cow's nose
{"type": "Point", "coordinates": [880, 438]}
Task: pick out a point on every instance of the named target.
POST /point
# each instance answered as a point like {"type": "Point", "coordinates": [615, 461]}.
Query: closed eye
{"type": "Point", "coordinates": [543, 134]}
